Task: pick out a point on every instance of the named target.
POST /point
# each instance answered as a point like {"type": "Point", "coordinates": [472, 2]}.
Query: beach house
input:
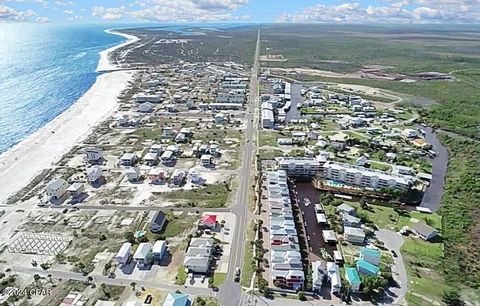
{"type": "Point", "coordinates": [56, 189]}
{"type": "Point", "coordinates": [157, 221]}
{"type": "Point", "coordinates": [354, 235]}
{"type": "Point", "coordinates": [159, 248]}
{"type": "Point", "coordinates": [93, 155]}
{"type": "Point", "coordinates": [128, 159]}
{"type": "Point", "coordinates": [124, 253]}
{"type": "Point", "coordinates": [353, 278]}
{"type": "Point", "coordinates": [176, 299]}
{"type": "Point", "coordinates": [367, 268]}
{"type": "Point", "coordinates": [141, 253]}
{"type": "Point", "coordinates": [156, 176]}
{"type": "Point", "coordinates": [319, 274]}
{"type": "Point", "coordinates": [333, 273]}
{"type": "Point", "coordinates": [370, 255]}
{"type": "Point", "coordinates": [132, 174]}
{"type": "Point", "coordinates": [94, 174]}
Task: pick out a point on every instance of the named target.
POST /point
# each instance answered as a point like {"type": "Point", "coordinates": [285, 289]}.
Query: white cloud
{"type": "Point", "coordinates": [395, 11]}
{"type": "Point", "coordinates": [175, 10]}
{"type": "Point", "coordinates": [110, 13]}
{"type": "Point", "coordinates": [9, 14]}
{"type": "Point", "coordinates": [65, 3]}
{"type": "Point", "coordinates": [39, 2]}
{"type": "Point", "coordinates": [69, 12]}
{"type": "Point", "coordinates": [42, 20]}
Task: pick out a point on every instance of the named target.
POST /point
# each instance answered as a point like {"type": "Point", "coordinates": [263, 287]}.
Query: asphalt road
{"type": "Point", "coordinates": [230, 292]}
{"type": "Point", "coordinates": [394, 241]}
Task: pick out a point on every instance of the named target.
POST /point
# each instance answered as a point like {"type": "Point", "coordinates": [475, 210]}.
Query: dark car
{"type": "Point", "coordinates": [394, 253]}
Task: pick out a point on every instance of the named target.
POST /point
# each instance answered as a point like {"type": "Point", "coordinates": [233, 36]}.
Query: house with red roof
{"type": "Point", "coordinates": [209, 221]}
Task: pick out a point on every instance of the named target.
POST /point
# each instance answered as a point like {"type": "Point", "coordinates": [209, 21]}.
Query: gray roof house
{"type": "Point", "coordinates": [157, 222]}
{"type": "Point", "coordinates": [345, 208]}
{"type": "Point", "coordinates": [425, 231]}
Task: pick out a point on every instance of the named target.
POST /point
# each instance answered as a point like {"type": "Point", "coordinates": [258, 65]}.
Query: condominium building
{"type": "Point", "coordinates": [365, 177]}
{"type": "Point", "coordinates": [300, 166]}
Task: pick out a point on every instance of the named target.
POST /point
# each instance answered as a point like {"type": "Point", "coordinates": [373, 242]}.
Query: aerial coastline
{"type": "Point", "coordinates": [21, 163]}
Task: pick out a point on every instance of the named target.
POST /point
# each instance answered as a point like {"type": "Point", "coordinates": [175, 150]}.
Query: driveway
{"type": "Point", "coordinates": [394, 241]}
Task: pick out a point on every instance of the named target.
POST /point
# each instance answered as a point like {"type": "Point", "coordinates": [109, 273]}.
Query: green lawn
{"type": "Point", "coordinates": [177, 225]}
{"type": "Point", "coordinates": [269, 138]}
{"type": "Point", "coordinates": [422, 260]}
{"type": "Point", "coordinates": [181, 276]}
{"type": "Point", "coordinates": [211, 196]}
{"type": "Point", "coordinates": [206, 301]}
{"type": "Point", "coordinates": [247, 269]}
{"type": "Point", "coordinates": [219, 278]}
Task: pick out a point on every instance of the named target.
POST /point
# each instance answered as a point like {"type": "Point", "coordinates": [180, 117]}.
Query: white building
{"type": "Point", "coordinates": [197, 257]}
{"type": "Point", "coordinates": [333, 273]}
{"type": "Point", "coordinates": [142, 97]}
{"type": "Point", "coordinates": [145, 107]}
{"type": "Point", "coordinates": [232, 96]}
{"type": "Point", "coordinates": [132, 174]}
{"type": "Point", "coordinates": [268, 121]}
{"type": "Point", "coordinates": [141, 253]}
{"type": "Point", "coordinates": [364, 177]}
{"type": "Point", "coordinates": [56, 189]}
{"type": "Point", "coordinates": [124, 253]}
{"type": "Point", "coordinates": [159, 248]}
{"type": "Point", "coordinates": [299, 166]}
{"type": "Point", "coordinates": [354, 235]}
{"type": "Point", "coordinates": [94, 174]}
{"type": "Point", "coordinates": [93, 155]}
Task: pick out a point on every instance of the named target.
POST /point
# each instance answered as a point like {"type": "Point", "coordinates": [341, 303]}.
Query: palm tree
{"type": "Point", "coordinates": [133, 285]}
{"type": "Point", "coordinates": [49, 278]}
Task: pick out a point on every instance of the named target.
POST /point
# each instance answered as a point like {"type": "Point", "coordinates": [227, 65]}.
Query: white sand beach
{"type": "Point", "coordinates": [45, 147]}
{"type": "Point", "coordinates": [104, 64]}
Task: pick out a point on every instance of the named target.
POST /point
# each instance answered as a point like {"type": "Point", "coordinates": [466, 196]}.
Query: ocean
{"type": "Point", "coordinates": [44, 69]}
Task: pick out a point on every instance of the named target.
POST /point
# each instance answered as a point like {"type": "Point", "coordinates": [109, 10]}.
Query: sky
{"type": "Point", "coordinates": [241, 11]}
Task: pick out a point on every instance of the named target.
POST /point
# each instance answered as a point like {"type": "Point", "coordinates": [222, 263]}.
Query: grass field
{"type": "Point", "coordinates": [219, 278]}
{"type": "Point", "coordinates": [211, 196]}
{"type": "Point", "coordinates": [421, 258]}
{"type": "Point", "coordinates": [247, 269]}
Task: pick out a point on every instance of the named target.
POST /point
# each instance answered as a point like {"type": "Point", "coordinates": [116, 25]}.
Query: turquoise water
{"type": "Point", "coordinates": [44, 69]}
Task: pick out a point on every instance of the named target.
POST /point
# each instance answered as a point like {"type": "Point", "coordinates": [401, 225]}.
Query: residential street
{"type": "Point", "coordinates": [394, 241]}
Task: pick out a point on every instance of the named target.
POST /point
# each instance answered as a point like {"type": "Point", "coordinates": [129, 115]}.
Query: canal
{"type": "Point", "coordinates": [312, 229]}
{"type": "Point", "coordinates": [433, 195]}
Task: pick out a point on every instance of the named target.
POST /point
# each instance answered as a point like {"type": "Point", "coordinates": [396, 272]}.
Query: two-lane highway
{"type": "Point", "coordinates": [230, 292]}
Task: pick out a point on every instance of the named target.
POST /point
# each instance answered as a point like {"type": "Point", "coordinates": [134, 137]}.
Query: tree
{"type": "Point", "coordinates": [37, 278]}
{"type": "Point", "coordinates": [150, 258]}
{"type": "Point", "coordinates": [452, 298]}
{"type": "Point", "coordinates": [133, 285]}
{"type": "Point", "coordinates": [105, 292]}
{"type": "Point", "coordinates": [130, 237]}
{"type": "Point", "coordinates": [301, 296]}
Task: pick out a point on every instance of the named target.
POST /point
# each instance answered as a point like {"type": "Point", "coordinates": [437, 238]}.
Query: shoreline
{"type": "Point", "coordinates": [104, 63]}
{"type": "Point", "coordinates": [42, 149]}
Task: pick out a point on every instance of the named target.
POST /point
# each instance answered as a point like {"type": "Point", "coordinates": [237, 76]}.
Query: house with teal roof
{"type": "Point", "coordinates": [176, 299]}
{"type": "Point", "coordinates": [371, 255]}
{"type": "Point", "coordinates": [353, 278]}
{"type": "Point", "coordinates": [367, 268]}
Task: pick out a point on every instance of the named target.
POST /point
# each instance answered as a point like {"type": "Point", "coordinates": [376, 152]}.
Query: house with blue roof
{"type": "Point", "coordinates": [371, 255]}
{"type": "Point", "coordinates": [353, 278]}
{"type": "Point", "coordinates": [367, 268]}
{"type": "Point", "coordinates": [176, 299]}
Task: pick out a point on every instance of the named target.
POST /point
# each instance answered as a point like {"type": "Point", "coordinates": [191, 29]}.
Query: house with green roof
{"type": "Point", "coordinates": [176, 299]}
{"type": "Point", "coordinates": [353, 278]}
{"type": "Point", "coordinates": [371, 255]}
{"type": "Point", "coordinates": [367, 268]}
